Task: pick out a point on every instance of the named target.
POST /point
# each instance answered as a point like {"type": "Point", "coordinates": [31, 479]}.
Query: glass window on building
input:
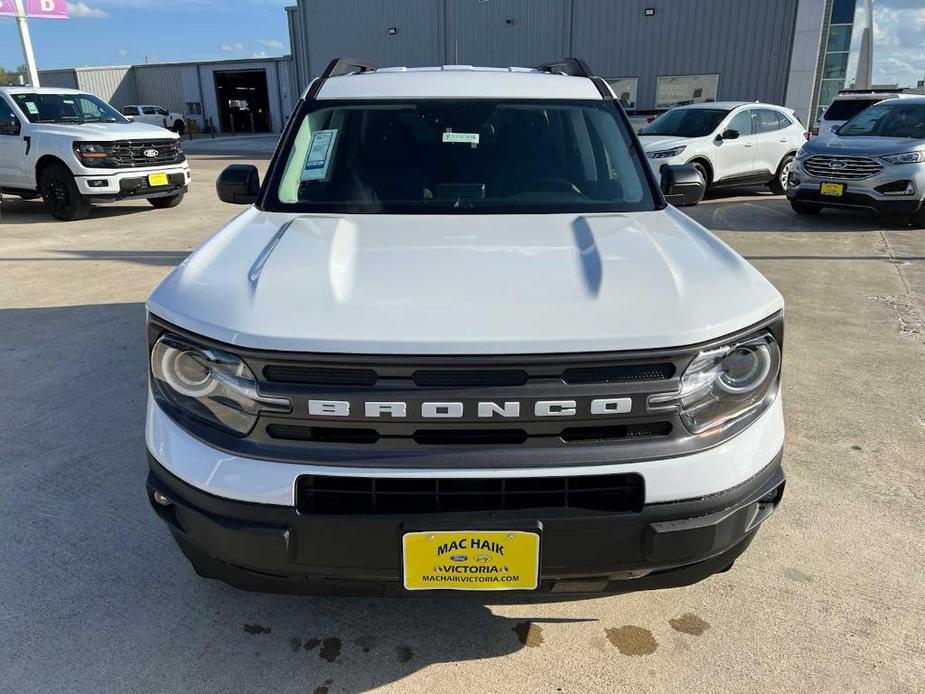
{"type": "Point", "coordinates": [843, 11]}
{"type": "Point", "coordinates": [839, 38]}
{"type": "Point", "coordinates": [625, 89]}
{"type": "Point", "coordinates": [194, 108]}
{"type": "Point", "coordinates": [678, 90]}
{"type": "Point", "coordinates": [836, 66]}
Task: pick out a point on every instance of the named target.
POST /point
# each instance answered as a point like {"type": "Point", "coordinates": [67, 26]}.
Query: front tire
{"type": "Point", "coordinates": [61, 195]}
{"type": "Point", "coordinates": [807, 208]}
{"type": "Point", "coordinates": [166, 202]}
{"type": "Point", "coordinates": [778, 186]}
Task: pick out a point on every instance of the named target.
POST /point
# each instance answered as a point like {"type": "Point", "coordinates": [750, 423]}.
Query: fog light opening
{"type": "Point", "coordinates": [98, 183]}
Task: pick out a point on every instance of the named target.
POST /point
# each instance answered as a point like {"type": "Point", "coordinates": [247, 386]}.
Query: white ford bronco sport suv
{"type": "Point", "coordinates": [460, 341]}
{"type": "Point", "coordinates": [74, 149]}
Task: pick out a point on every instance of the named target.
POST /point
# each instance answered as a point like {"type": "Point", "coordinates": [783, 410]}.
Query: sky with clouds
{"type": "Point", "coordinates": [112, 32]}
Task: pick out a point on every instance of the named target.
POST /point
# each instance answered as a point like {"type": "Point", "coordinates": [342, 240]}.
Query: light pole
{"type": "Point", "coordinates": [26, 43]}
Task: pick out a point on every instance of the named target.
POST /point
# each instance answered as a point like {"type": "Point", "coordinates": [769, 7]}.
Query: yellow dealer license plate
{"type": "Point", "coordinates": [157, 179]}
{"type": "Point", "coordinates": [836, 189]}
{"type": "Point", "coordinates": [471, 560]}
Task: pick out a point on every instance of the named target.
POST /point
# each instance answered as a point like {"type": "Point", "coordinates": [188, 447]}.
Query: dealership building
{"type": "Point", "coordinates": [655, 53]}
{"type": "Point", "coordinates": [225, 93]}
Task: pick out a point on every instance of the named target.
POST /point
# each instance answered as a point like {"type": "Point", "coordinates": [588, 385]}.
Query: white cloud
{"type": "Point", "coordinates": [81, 10]}
{"type": "Point", "coordinates": [272, 44]}
{"type": "Point", "coordinates": [232, 47]}
{"type": "Point", "coordinates": [121, 52]}
{"type": "Point", "coordinates": [899, 42]}
{"type": "Point", "coordinates": [261, 54]}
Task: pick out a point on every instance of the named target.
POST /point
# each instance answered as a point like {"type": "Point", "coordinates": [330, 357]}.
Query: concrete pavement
{"type": "Point", "coordinates": [95, 597]}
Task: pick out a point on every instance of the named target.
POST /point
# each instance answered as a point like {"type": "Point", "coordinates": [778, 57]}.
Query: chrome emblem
{"type": "Point", "coordinates": [150, 153]}
{"type": "Point", "coordinates": [459, 557]}
{"type": "Point", "coordinates": [836, 165]}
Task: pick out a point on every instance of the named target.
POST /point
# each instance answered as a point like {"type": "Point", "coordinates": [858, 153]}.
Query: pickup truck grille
{"type": "Point", "coordinates": [323, 494]}
{"type": "Point", "coordinates": [127, 154]}
{"type": "Point", "coordinates": [844, 168]}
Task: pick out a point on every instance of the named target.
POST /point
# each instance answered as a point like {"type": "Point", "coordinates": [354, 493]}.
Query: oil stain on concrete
{"type": "Point", "coordinates": [254, 629]}
{"type": "Point", "coordinates": [529, 634]}
{"type": "Point", "coordinates": [632, 640]}
{"type": "Point", "coordinates": [311, 644]}
{"type": "Point", "coordinates": [330, 649]}
{"type": "Point", "coordinates": [689, 623]}
{"type": "Point", "coordinates": [405, 653]}
{"type": "Point", "coordinates": [323, 688]}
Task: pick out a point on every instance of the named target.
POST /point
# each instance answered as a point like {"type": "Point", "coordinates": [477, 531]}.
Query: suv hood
{"type": "Point", "coordinates": [106, 132]}
{"type": "Point", "coordinates": [861, 146]}
{"type": "Point", "coordinates": [654, 143]}
{"type": "Point", "coordinates": [469, 284]}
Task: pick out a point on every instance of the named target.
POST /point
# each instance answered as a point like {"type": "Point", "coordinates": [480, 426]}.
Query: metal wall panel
{"type": "Point", "coordinates": [359, 29]}
{"type": "Point", "coordinates": [299, 72]}
{"type": "Point", "coordinates": [115, 85]}
{"type": "Point", "coordinates": [63, 79]}
{"type": "Point", "coordinates": [167, 85]}
{"type": "Point", "coordinates": [746, 42]}
{"type": "Point", "coordinates": [506, 32]}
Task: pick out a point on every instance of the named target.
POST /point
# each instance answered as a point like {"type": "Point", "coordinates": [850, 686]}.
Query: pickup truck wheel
{"type": "Point", "coordinates": [62, 198]}
{"type": "Point", "coordinates": [164, 203]}
{"type": "Point", "coordinates": [805, 207]}
{"type": "Point", "coordinates": [179, 127]}
{"type": "Point", "coordinates": [778, 185]}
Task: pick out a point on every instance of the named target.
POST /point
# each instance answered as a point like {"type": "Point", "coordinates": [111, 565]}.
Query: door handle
{"type": "Point", "coordinates": [28, 141]}
{"type": "Point", "coordinates": [748, 144]}
{"type": "Point", "coordinates": [784, 140]}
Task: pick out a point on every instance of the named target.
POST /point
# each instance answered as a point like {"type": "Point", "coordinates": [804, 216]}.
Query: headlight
{"type": "Point", "coordinates": [92, 153]}
{"type": "Point", "coordinates": [801, 154]}
{"type": "Point", "coordinates": [666, 153]}
{"type": "Point", "coordinates": [213, 386]}
{"type": "Point", "coordinates": [905, 158]}
{"type": "Point", "coordinates": [725, 383]}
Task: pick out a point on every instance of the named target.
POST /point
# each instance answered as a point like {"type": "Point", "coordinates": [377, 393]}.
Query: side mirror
{"type": "Point", "coordinates": [10, 126]}
{"type": "Point", "coordinates": [238, 184]}
{"type": "Point", "coordinates": [683, 184]}
{"type": "Point", "coordinates": [730, 134]}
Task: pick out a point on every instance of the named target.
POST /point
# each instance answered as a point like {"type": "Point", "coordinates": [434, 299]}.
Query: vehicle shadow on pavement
{"type": "Point", "coordinates": [14, 210]}
{"type": "Point", "coordinates": [91, 581]}
{"type": "Point", "coordinates": [762, 212]}
{"type": "Point", "coordinates": [153, 258]}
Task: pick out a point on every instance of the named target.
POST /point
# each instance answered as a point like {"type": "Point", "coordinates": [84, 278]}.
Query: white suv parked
{"type": "Point", "coordinates": [73, 149]}
{"type": "Point", "coordinates": [156, 115]}
{"type": "Point", "coordinates": [731, 143]}
{"type": "Point", "coordinates": [458, 340]}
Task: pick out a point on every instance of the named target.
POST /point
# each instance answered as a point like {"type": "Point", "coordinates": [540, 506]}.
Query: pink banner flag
{"type": "Point", "coordinates": [43, 9]}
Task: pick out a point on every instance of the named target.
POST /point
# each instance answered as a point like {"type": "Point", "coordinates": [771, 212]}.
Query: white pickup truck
{"type": "Point", "coordinates": [74, 149]}
{"type": "Point", "coordinates": [155, 115]}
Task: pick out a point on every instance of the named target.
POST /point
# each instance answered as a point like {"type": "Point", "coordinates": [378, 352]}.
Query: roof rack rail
{"type": "Point", "coordinates": [346, 66]}
{"type": "Point", "coordinates": [573, 67]}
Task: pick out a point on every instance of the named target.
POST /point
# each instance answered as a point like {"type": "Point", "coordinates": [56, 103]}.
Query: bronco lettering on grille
{"type": "Point", "coordinates": [483, 410]}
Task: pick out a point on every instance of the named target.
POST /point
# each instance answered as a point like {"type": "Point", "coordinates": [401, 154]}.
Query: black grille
{"type": "Point", "coordinates": [468, 379]}
{"type": "Point", "coordinates": [615, 432]}
{"type": "Point", "coordinates": [319, 375]}
{"type": "Point", "coordinates": [131, 153]}
{"type": "Point", "coordinates": [619, 374]}
{"type": "Point", "coordinates": [322, 494]}
{"type": "Point", "coordinates": [295, 432]}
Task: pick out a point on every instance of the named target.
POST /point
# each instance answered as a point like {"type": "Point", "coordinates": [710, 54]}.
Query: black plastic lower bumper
{"type": "Point", "coordinates": [276, 549]}
{"type": "Point", "coordinates": [855, 201]}
{"type": "Point", "coordinates": [131, 188]}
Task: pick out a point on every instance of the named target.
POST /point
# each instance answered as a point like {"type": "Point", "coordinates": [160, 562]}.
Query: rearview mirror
{"type": "Point", "coordinates": [730, 134]}
{"type": "Point", "coordinates": [683, 184]}
{"type": "Point", "coordinates": [10, 126]}
{"type": "Point", "coordinates": [238, 184]}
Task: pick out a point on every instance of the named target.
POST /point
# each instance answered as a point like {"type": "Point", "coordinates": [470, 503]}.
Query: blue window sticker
{"type": "Point", "coordinates": [319, 155]}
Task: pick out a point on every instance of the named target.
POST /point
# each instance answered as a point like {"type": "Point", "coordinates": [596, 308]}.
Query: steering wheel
{"type": "Point", "coordinates": [549, 184]}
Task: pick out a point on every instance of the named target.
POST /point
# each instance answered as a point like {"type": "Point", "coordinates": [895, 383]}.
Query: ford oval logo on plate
{"type": "Point", "coordinates": [459, 557]}
{"type": "Point", "coordinates": [150, 153]}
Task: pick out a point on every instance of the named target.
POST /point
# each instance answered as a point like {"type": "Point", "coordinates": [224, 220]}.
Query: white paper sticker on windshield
{"type": "Point", "coordinates": [32, 108]}
{"type": "Point", "coordinates": [467, 138]}
{"type": "Point", "coordinates": [319, 155]}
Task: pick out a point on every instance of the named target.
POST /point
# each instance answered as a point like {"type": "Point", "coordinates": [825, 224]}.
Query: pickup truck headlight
{"type": "Point", "coordinates": [213, 386]}
{"type": "Point", "coordinates": [666, 153]}
{"type": "Point", "coordinates": [92, 153]}
{"type": "Point", "coordinates": [724, 383]}
{"type": "Point", "coordinates": [905, 158]}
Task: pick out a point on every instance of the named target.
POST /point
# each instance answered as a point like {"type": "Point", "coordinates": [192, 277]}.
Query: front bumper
{"type": "Point", "coordinates": [110, 185]}
{"type": "Point", "coordinates": [277, 549]}
{"type": "Point", "coordinates": [863, 194]}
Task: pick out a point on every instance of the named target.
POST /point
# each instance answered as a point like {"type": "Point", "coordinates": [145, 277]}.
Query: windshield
{"type": "Point", "coordinates": [451, 156]}
{"type": "Point", "coordinates": [67, 108]}
{"type": "Point", "coordinates": [888, 120]}
{"type": "Point", "coordinates": [686, 122]}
